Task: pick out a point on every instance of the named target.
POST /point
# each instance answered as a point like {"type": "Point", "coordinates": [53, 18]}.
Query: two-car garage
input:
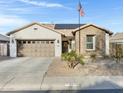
{"type": "Point", "coordinates": [36, 48]}
{"type": "Point", "coordinates": [35, 40]}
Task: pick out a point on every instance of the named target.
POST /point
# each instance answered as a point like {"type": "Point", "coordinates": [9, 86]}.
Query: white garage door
{"type": "Point", "coordinates": [39, 48]}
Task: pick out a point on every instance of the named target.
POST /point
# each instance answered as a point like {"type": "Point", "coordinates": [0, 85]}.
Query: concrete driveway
{"type": "Point", "coordinates": [23, 73]}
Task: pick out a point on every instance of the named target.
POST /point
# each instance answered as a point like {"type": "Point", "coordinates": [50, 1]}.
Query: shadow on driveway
{"type": "Point", "coordinates": [5, 58]}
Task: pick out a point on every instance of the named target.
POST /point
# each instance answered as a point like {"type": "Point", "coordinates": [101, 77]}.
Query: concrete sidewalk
{"type": "Point", "coordinates": [67, 83]}
{"type": "Point", "coordinates": [85, 82]}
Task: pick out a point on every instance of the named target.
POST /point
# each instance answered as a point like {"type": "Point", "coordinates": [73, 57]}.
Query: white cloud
{"type": "Point", "coordinates": [6, 20]}
{"type": "Point", "coordinates": [18, 10]}
{"type": "Point", "coordinates": [43, 4]}
{"type": "Point", "coordinates": [8, 23]}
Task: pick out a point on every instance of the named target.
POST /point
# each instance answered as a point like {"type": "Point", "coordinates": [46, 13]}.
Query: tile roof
{"type": "Point", "coordinates": [64, 29]}
{"type": "Point", "coordinates": [118, 37]}
{"type": "Point", "coordinates": [69, 29]}
{"type": "Point", "coordinates": [99, 27]}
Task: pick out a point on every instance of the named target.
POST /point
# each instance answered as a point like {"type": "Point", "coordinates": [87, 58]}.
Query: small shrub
{"type": "Point", "coordinates": [80, 59]}
{"type": "Point", "coordinates": [72, 59]}
{"type": "Point", "coordinates": [65, 56]}
{"type": "Point", "coordinates": [81, 62]}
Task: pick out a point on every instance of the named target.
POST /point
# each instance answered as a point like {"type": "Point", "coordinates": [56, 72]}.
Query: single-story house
{"type": "Point", "coordinates": [116, 44]}
{"type": "Point", "coordinates": [4, 45]}
{"type": "Point", "coordinates": [49, 40]}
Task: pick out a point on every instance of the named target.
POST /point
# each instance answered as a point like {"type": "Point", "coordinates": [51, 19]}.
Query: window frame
{"type": "Point", "coordinates": [94, 42]}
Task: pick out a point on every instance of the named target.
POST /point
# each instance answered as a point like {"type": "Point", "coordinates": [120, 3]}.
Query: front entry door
{"type": "Point", "coordinates": [64, 46]}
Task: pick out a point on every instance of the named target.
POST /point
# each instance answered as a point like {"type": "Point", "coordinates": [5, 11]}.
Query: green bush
{"type": "Point", "coordinates": [72, 59]}
{"type": "Point", "coordinates": [64, 56]}
{"type": "Point", "coordinates": [80, 59]}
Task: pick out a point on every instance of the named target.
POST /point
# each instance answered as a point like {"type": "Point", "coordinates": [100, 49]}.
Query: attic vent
{"type": "Point", "coordinates": [35, 28]}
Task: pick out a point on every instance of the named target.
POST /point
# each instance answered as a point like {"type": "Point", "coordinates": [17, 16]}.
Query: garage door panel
{"type": "Point", "coordinates": [43, 48]}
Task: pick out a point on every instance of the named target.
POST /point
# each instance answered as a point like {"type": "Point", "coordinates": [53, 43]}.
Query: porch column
{"type": "Point", "coordinates": [71, 45]}
{"type": "Point", "coordinates": [13, 47]}
{"type": "Point", "coordinates": [107, 44]}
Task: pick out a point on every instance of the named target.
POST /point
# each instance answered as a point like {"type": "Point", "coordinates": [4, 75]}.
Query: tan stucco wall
{"type": "Point", "coordinates": [39, 34]}
{"type": "Point", "coordinates": [100, 41]}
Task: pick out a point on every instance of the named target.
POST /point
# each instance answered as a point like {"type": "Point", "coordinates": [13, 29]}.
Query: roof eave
{"type": "Point", "coordinates": [77, 29]}
{"type": "Point", "coordinates": [11, 32]}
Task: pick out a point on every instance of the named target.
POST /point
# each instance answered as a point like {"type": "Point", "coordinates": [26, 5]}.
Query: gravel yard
{"type": "Point", "coordinates": [102, 67]}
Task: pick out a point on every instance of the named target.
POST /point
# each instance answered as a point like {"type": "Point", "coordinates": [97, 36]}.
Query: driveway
{"type": "Point", "coordinates": [23, 73]}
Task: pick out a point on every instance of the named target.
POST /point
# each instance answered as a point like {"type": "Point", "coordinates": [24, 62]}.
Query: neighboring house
{"type": "Point", "coordinates": [4, 45]}
{"type": "Point", "coordinates": [116, 44]}
{"type": "Point", "coordinates": [117, 38]}
{"type": "Point", "coordinates": [50, 40]}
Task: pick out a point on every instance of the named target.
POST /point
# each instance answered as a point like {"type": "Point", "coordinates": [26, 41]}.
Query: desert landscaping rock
{"type": "Point", "coordinates": [102, 67]}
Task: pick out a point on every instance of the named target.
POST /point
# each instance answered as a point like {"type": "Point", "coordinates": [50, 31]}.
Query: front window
{"type": "Point", "coordinates": [90, 42]}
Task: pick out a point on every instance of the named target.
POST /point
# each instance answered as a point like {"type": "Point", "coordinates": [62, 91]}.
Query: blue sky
{"type": "Point", "coordinates": [16, 13]}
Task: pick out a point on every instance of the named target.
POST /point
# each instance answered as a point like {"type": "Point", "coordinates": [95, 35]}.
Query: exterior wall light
{"type": "Point", "coordinates": [57, 41]}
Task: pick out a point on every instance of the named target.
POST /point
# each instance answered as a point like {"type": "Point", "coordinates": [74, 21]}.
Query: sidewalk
{"type": "Point", "coordinates": [69, 83]}
{"type": "Point", "coordinates": [85, 82]}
